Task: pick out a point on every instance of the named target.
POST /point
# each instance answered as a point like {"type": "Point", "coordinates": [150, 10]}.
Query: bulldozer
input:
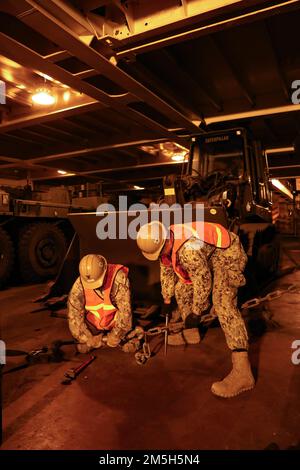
{"type": "Point", "coordinates": [228, 173]}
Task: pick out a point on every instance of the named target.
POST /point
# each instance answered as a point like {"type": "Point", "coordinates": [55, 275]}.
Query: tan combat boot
{"type": "Point", "coordinates": [176, 339]}
{"type": "Point", "coordinates": [191, 336]}
{"type": "Point", "coordinates": [188, 336]}
{"type": "Point", "coordinates": [239, 380]}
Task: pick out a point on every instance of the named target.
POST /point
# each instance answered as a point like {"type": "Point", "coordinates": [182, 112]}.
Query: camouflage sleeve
{"type": "Point", "coordinates": [77, 325]}
{"type": "Point", "coordinates": [121, 298]}
{"type": "Point", "coordinates": [193, 259]}
{"type": "Point", "coordinates": [168, 281]}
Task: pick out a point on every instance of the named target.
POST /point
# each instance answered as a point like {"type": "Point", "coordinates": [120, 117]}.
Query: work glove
{"type": "Point", "coordinates": [131, 346]}
{"type": "Point", "coordinates": [132, 341]}
{"type": "Point", "coordinates": [83, 348]}
{"type": "Point", "coordinates": [112, 340]}
{"type": "Point", "coordinates": [192, 320]}
{"type": "Point", "coordinates": [94, 342]}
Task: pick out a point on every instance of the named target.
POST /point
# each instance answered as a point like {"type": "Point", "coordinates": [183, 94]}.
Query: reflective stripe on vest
{"type": "Point", "coordinates": [101, 315]}
{"type": "Point", "coordinates": [213, 234]}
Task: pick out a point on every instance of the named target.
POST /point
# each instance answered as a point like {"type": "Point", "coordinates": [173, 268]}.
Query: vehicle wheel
{"type": "Point", "coordinates": [268, 256]}
{"type": "Point", "coordinates": [42, 247]}
{"type": "Point", "coordinates": [266, 253]}
{"type": "Point", "coordinates": [7, 256]}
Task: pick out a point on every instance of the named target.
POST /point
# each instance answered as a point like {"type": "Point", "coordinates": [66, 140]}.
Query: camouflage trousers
{"type": "Point", "coordinates": [227, 266]}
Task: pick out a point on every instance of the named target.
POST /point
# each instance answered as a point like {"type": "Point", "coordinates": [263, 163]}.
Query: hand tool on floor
{"type": "Point", "coordinates": [52, 354]}
{"type": "Point", "coordinates": [41, 355]}
{"type": "Point", "coordinates": [72, 373]}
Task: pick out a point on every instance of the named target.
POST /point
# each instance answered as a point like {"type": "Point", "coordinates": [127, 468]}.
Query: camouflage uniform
{"type": "Point", "coordinates": [120, 297]}
{"type": "Point", "coordinates": [200, 260]}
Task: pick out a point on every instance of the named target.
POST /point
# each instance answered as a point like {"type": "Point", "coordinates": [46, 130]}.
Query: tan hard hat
{"type": "Point", "coordinates": [151, 239]}
{"type": "Point", "coordinates": [92, 269]}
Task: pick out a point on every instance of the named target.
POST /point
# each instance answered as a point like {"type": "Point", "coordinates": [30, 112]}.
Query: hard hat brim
{"type": "Point", "coordinates": [152, 256]}
{"type": "Point", "coordinates": [95, 284]}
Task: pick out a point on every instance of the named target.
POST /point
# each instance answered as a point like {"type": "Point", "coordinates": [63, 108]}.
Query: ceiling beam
{"type": "Point", "coordinates": [257, 12]}
{"type": "Point", "coordinates": [250, 114]}
{"type": "Point", "coordinates": [57, 56]}
{"type": "Point", "coordinates": [110, 145]}
{"type": "Point", "coordinates": [69, 41]}
{"type": "Point", "coordinates": [100, 127]}
{"type": "Point", "coordinates": [130, 167]}
{"type": "Point", "coordinates": [48, 116]}
{"type": "Point", "coordinates": [13, 48]}
{"type": "Point", "coordinates": [121, 144]}
{"type": "Point", "coordinates": [20, 139]}
{"type": "Point", "coordinates": [36, 136]}
{"type": "Point", "coordinates": [78, 127]}
{"type": "Point", "coordinates": [64, 134]}
{"type": "Point", "coordinates": [9, 159]}
{"type": "Point", "coordinates": [86, 73]}
{"type": "Point", "coordinates": [21, 54]}
{"type": "Point", "coordinates": [117, 169]}
{"type": "Point", "coordinates": [18, 163]}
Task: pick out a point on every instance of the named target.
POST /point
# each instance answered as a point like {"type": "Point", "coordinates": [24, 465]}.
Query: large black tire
{"type": "Point", "coordinates": [263, 261]}
{"type": "Point", "coordinates": [7, 256]}
{"type": "Point", "coordinates": [266, 253]}
{"type": "Point", "coordinates": [268, 257]}
{"type": "Point", "coordinates": [42, 247]}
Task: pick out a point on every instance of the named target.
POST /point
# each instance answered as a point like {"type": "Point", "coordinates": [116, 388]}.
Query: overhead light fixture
{"type": "Point", "coordinates": [43, 96]}
{"type": "Point", "coordinates": [66, 96]}
{"type": "Point", "coordinates": [138, 187]}
{"type": "Point", "coordinates": [282, 188]}
{"type": "Point", "coordinates": [249, 114]}
{"type": "Point", "coordinates": [65, 173]}
{"type": "Point", "coordinates": [179, 157]}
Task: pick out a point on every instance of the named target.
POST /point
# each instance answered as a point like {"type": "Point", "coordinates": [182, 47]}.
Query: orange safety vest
{"type": "Point", "coordinates": [208, 232]}
{"type": "Point", "coordinates": [100, 312]}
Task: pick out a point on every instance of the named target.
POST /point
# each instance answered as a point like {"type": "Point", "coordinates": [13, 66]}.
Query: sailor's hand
{"type": "Point", "coordinates": [83, 348]}
{"type": "Point", "coordinates": [112, 340]}
{"type": "Point", "coordinates": [97, 341]}
{"type": "Point", "coordinates": [94, 342]}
